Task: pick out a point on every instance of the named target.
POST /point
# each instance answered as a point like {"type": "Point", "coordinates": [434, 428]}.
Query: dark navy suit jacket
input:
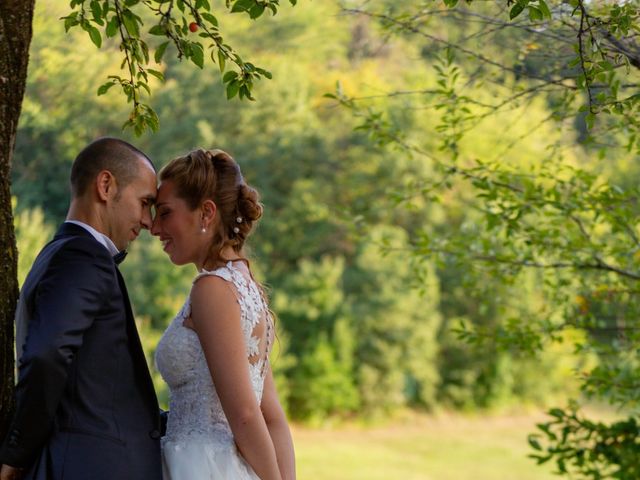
{"type": "Point", "coordinates": [85, 403]}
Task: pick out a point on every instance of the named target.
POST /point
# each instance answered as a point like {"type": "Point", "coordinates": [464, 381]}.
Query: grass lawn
{"type": "Point", "coordinates": [444, 447]}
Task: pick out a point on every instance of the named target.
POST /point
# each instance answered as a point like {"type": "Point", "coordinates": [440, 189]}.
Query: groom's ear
{"type": "Point", "coordinates": [106, 186]}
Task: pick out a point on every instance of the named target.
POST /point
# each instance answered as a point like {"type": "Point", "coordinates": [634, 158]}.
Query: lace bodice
{"type": "Point", "coordinates": [195, 409]}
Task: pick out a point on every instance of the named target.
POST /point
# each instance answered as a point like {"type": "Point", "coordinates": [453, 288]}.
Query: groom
{"type": "Point", "coordinates": [85, 403]}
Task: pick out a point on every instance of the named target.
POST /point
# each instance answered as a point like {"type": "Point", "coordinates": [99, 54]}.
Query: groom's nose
{"type": "Point", "coordinates": [155, 228]}
{"type": "Point", "coordinates": [146, 221]}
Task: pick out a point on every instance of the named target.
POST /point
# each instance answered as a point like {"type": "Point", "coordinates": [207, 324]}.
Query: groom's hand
{"type": "Point", "coordinates": [7, 472]}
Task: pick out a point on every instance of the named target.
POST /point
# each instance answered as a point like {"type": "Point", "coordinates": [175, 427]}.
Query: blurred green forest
{"type": "Point", "coordinates": [365, 327]}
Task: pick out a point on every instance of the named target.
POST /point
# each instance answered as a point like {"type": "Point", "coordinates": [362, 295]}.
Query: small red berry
{"type": "Point", "coordinates": [193, 26]}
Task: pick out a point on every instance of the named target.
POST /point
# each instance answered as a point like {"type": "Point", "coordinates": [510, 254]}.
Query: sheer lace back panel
{"type": "Point", "coordinates": [195, 408]}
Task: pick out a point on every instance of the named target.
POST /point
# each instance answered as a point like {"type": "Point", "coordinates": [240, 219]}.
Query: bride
{"type": "Point", "coordinates": [225, 420]}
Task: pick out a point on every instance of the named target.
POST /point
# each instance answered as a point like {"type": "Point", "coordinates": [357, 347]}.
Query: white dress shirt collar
{"type": "Point", "coordinates": [100, 237]}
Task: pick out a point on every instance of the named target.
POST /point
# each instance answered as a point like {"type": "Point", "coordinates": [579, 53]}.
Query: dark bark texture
{"type": "Point", "coordinates": [16, 18]}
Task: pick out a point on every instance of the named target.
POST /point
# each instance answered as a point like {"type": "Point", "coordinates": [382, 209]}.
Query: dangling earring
{"type": "Point", "coordinates": [203, 229]}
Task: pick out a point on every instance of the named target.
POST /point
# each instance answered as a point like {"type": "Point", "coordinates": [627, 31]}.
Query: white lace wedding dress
{"type": "Point", "coordinates": [199, 444]}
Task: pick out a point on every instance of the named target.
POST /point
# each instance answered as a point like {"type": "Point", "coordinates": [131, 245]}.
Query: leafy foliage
{"type": "Point", "coordinates": [176, 23]}
{"type": "Point", "coordinates": [590, 450]}
{"type": "Point", "coordinates": [566, 213]}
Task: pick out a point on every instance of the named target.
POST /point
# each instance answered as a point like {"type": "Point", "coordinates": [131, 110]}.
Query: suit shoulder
{"type": "Point", "coordinates": [80, 248]}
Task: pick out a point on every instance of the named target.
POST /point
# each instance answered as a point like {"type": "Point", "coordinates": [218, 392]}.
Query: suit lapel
{"type": "Point", "coordinates": [136, 346]}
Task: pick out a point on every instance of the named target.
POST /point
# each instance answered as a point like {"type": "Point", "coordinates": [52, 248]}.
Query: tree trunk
{"type": "Point", "coordinates": [16, 18]}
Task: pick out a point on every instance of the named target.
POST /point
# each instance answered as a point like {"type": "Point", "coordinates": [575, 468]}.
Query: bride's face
{"type": "Point", "coordinates": [178, 228]}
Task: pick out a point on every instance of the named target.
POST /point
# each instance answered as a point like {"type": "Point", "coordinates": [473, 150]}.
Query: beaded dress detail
{"type": "Point", "coordinates": [199, 444]}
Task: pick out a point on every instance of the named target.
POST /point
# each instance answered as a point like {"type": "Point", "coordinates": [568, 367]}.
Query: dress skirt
{"type": "Point", "coordinates": [201, 460]}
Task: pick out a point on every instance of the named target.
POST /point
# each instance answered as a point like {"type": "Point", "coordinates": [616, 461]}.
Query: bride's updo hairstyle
{"type": "Point", "coordinates": [213, 174]}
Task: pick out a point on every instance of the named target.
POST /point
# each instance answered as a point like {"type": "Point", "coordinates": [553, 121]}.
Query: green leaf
{"type": "Point", "coordinates": [544, 8]}
{"type": "Point", "coordinates": [159, 75]}
{"type": "Point", "coordinates": [229, 76]}
{"type": "Point", "coordinates": [70, 21]}
{"type": "Point", "coordinates": [210, 18]}
{"type": "Point", "coordinates": [197, 55]}
{"type": "Point", "coordinates": [556, 412]}
{"type": "Point", "coordinates": [516, 10]}
{"type": "Point", "coordinates": [152, 120]}
{"type": "Point", "coordinates": [130, 23]}
{"type": "Point", "coordinates": [145, 51]}
{"type": "Point", "coordinates": [157, 30]}
{"type": "Point", "coordinates": [533, 441]}
{"type": "Point", "coordinates": [96, 10]}
{"type": "Point", "coordinates": [245, 91]}
{"type": "Point", "coordinates": [112, 26]}
{"type": "Point", "coordinates": [242, 5]}
{"type": "Point", "coordinates": [590, 119]}
{"type": "Point", "coordinates": [232, 89]}
{"type": "Point", "coordinates": [136, 51]}
{"type": "Point", "coordinates": [606, 65]}
{"type": "Point", "coordinates": [534, 14]}
{"type": "Point", "coordinates": [574, 62]}
{"type": "Point", "coordinates": [104, 88]}
{"type": "Point", "coordinates": [160, 52]}
{"type": "Point", "coordinates": [145, 86]}
{"type": "Point", "coordinates": [96, 38]}
{"type": "Point", "coordinates": [98, 15]}
{"type": "Point", "coordinates": [221, 60]}
{"type": "Point", "coordinates": [256, 11]}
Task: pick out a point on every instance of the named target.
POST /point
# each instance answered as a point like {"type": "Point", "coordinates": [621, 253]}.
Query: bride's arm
{"type": "Point", "coordinates": [278, 428]}
{"type": "Point", "coordinates": [216, 317]}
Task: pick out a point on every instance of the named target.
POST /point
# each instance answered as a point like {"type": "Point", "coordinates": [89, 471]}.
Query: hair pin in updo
{"type": "Point", "coordinates": [236, 230]}
{"type": "Point", "coordinates": [239, 219]}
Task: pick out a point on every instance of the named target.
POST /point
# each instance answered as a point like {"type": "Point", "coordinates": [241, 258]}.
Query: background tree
{"type": "Point", "coordinates": [570, 214]}
{"type": "Point", "coordinates": [15, 37]}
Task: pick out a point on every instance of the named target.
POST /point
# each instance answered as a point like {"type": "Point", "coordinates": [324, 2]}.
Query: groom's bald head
{"type": "Point", "coordinates": [120, 158]}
